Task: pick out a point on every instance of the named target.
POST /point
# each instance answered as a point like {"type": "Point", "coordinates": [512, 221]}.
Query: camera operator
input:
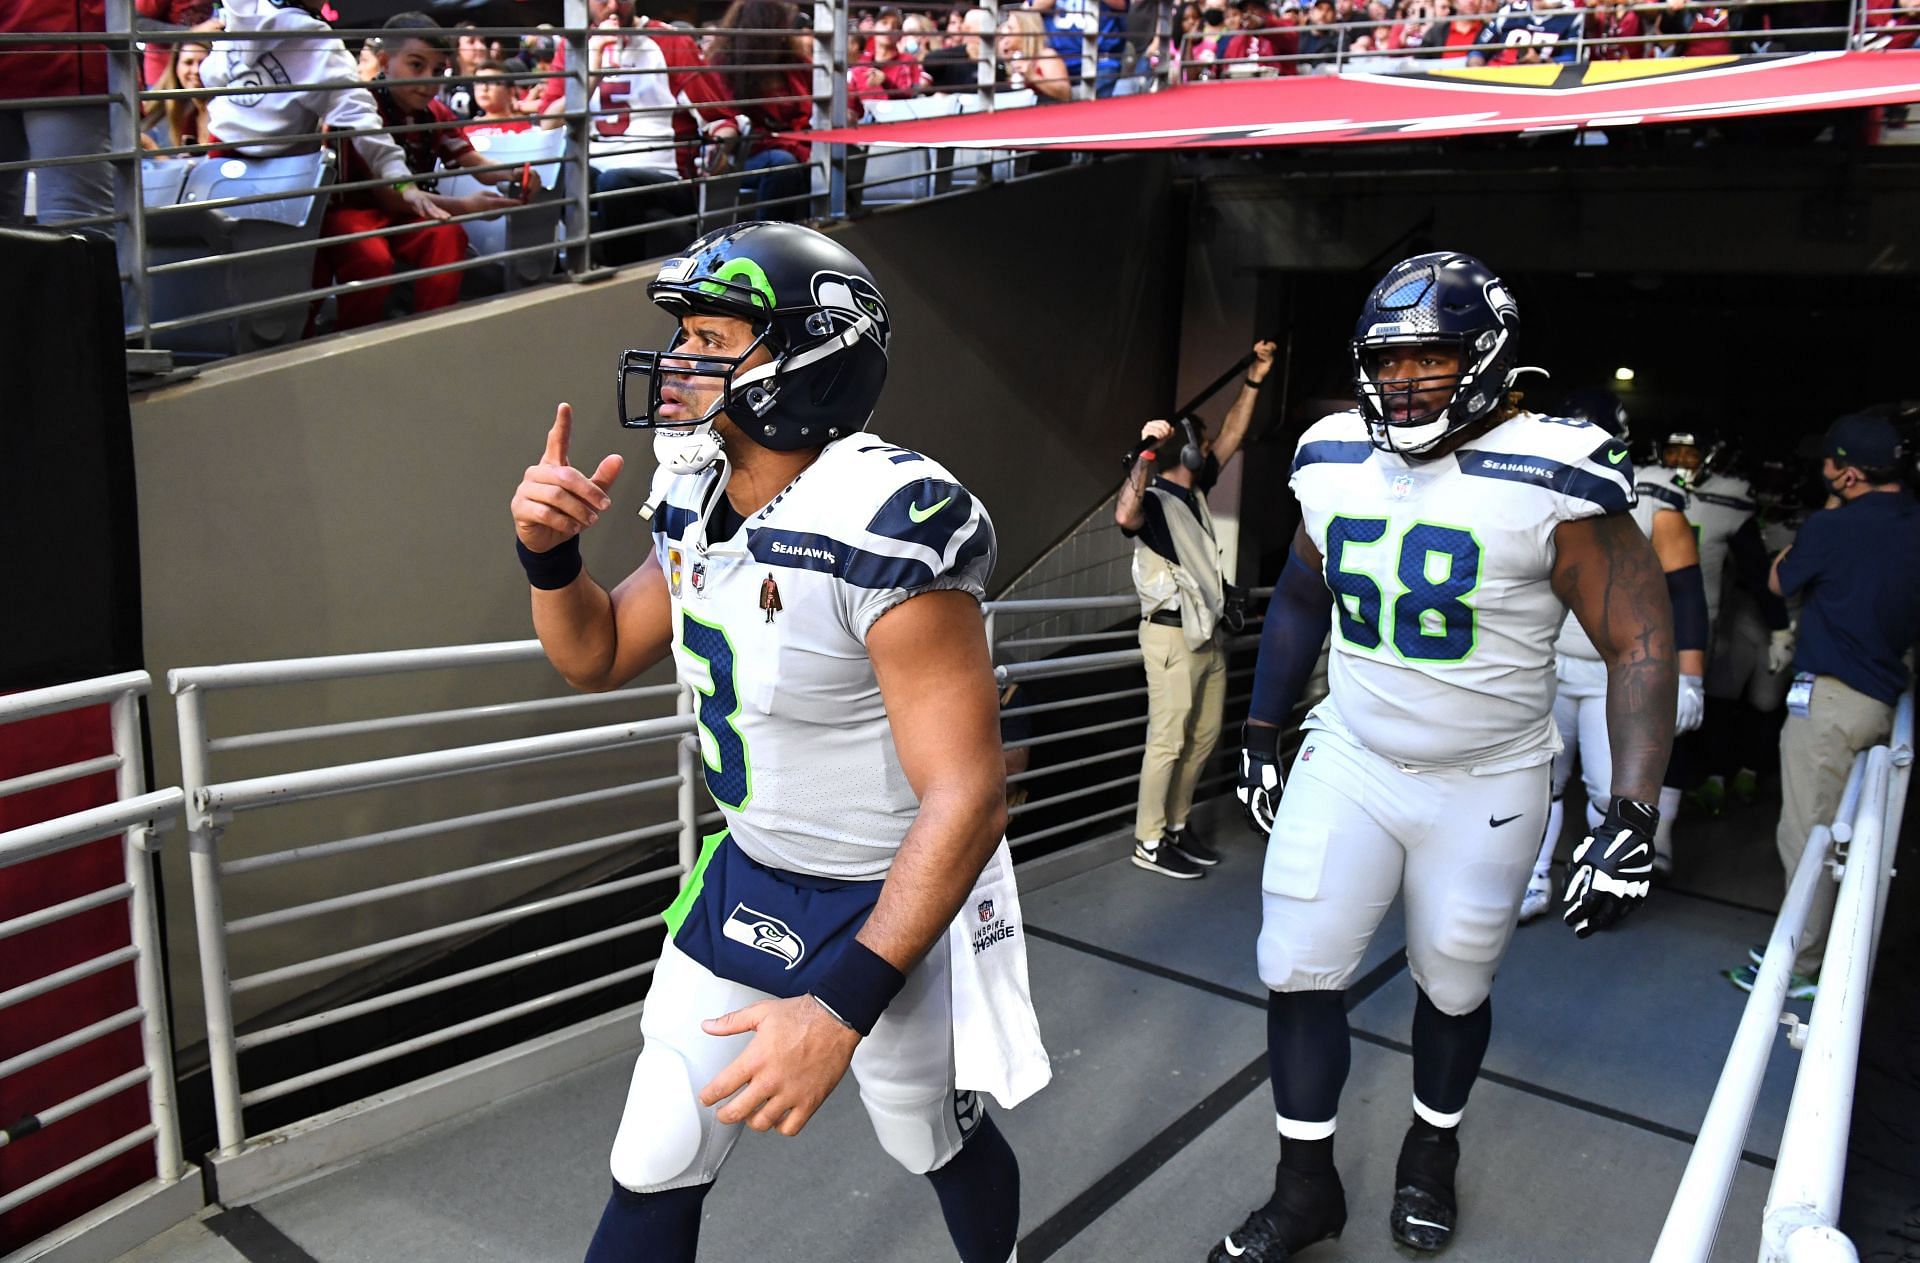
{"type": "Point", "coordinates": [1856, 567]}
{"type": "Point", "coordinates": [1176, 571]}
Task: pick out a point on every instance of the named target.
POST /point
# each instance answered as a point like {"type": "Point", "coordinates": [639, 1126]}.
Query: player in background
{"type": "Point", "coordinates": [1445, 533]}
{"type": "Point", "coordinates": [1720, 507]}
{"type": "Point", "coordinates": [1580, 702]}
{"type": "Point", "coordinates": [820, 591]}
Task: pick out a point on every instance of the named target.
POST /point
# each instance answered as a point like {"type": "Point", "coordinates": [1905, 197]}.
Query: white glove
{"type": "Point", "coordinates": [1690, 707]}
{"type": "Point", "coordinates": [1780, 650]}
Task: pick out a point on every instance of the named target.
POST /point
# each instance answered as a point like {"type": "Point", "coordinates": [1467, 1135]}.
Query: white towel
{"type": "Point", "coordinates": [996, 1037]}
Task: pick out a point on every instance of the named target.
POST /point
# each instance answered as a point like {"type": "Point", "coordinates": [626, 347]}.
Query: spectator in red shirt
{"type": "Point", "coordinates": [411, 49]}
{"type": "Point", "coordinates": [1264, 34]}
{"type": "Point", "coordinates": [493, 101]}
{"type": "Point", "coordinates": [887, 71]}
{"type": "Point", "coordinates": [1706, 28]}
{"type": "Point", "coordinates": [1619, 22]}
{"type": "Point", "coordinates": [1891, 13]}
{"type": "Point", "coordinates": [75, 191]}
{"type": "Point", "coordinates": [773, 79]}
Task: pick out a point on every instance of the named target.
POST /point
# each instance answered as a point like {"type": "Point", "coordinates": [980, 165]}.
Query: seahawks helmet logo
{"type": "Point", "coordinates": [844, 299]}
{"type": "Point", "coordinates": [1504, 308]}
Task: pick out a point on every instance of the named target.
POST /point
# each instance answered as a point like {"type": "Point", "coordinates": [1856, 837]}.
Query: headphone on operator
{"type": "Point", "coordinates": [1192, 454]}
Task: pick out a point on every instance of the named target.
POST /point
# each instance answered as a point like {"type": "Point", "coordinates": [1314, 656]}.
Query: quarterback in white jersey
{"type": "Point", "coordinates": [1444, 536]}
{"type": "Point", "coordinates": [819, 590]}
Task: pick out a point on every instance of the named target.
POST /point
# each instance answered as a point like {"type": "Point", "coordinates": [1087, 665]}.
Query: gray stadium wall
{"type": "Point", "coordinates": [350, 495]}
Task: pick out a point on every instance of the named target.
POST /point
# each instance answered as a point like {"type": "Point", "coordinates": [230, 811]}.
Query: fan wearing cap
{"type": "Point", "coordinates": [819, 591]}
{"type": "Point", "coordinates": [1856, 568]}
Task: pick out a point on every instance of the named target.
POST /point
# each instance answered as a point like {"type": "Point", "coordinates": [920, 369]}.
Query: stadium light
{"type": "Point", "coordinates": [1623, 374]}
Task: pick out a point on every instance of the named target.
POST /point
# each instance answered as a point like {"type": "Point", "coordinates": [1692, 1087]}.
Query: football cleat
{"type": "Point", "coordinates": [1538, 899]}
{"type": "Point", "coordinates": [1424, 1206]}
{"type": "Point", "coordinates": [1303, 1210]}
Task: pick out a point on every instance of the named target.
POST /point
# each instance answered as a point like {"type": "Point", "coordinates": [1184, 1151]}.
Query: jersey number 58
{"type": "Point", "coordinates": [1437, 569]}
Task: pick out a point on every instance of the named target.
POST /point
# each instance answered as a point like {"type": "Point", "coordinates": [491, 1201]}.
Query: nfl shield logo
{"type": "Point", "coordinates": [986, 909]}
{"type": "Point", "coordinates": [700, 577]}
{"type": "Point", "coordinates": [1402, 486]}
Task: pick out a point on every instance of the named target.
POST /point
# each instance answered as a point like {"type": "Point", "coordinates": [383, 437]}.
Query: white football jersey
{"type": "Point", "coordinates": [1650, 497]}
{"type": "Point", "coordinates": [1718, 511]}
{"type": "Point", "coordinates": [770, 629]}
{"type": "Point", "coordinates": [1444, 612]}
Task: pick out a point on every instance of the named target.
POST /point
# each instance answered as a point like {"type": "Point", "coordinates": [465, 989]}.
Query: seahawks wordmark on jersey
{"type": "Point", "coordinates": [1444, 612]}
{"type": "Point", "coordinates": [770, 628]}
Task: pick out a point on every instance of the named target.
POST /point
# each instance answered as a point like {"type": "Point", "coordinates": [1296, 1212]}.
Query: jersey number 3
{"type": "Point", "coordinates": [1432, 619]}
{"type": "Point", "coordinates": [728, 780]}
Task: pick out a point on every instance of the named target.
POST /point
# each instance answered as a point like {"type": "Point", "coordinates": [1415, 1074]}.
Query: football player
{"type": "Point", "coordinates": [1449, 532]}
{"type": "Point", "coordinates": [1580, 704]}
{"type": "Point", "coordinates": [820, 592]}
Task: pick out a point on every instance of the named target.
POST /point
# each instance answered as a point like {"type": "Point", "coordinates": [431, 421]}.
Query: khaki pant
{"type": "Point", "coordinates": [1186, 691]}
{"type": "Point", "coordinates": [1816, 754]}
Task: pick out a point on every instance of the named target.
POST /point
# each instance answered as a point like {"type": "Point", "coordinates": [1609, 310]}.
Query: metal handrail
{"type": "Point", "coordinates": [1802, 1208]}
{"type": "Point", "coordinates": [135, 816]}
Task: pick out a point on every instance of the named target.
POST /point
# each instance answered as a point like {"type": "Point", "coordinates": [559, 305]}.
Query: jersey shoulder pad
{"type": "Point", "coordinates": [1338, 439]}
{"type": "Point", "coordinates": [676, 499]}
{"type": "Point", "coordinates": [1576, 461]}
{"type": "Point", "coordinates": [888, 517]}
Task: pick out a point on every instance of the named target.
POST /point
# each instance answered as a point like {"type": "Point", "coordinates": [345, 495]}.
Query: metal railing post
{"type": "Point", "coordinates": [1161, 76]}
{"type": "Point", "coordinates": [983, 68]}
{"type": "Point", "coordinates": [686, 754]}
{"type": "Point", "coordinates": [143, 915]}
{"type": "Point", "coordinates": [837, 159]}
{"type": "Point", "coordinates": [822, 156]}
{"type": "Point", "coordinates": [210, 922]}
{"type": "Point", "coordinates": [579, 157]}
{"type": "Point", "coordinates": [1813, 1144]}
{"type": "Point", "coordinates": [123, 133]}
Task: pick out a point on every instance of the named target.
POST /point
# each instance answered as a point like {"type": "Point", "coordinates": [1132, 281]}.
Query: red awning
{"type": "Point", "coordinates": [1320, 109]}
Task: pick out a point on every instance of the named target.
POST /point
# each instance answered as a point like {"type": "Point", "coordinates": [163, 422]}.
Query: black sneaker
{"type": "Point", "coordinates": [1167, 860]}
{"type": "Point", "coordinates": [1304, 1210]}
{"type": "Point", "coordinates": [1424, 1207]}
{"type": "Point", "coordinates": [1188, 844]}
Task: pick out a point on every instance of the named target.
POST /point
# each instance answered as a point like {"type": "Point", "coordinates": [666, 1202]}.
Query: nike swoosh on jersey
{"type": "Point", "coordinates": [1495, 824]}
{"type": "Point", "coordinates": [919, 514]}
{"type": "Point", "coordinates": [1614, 458]}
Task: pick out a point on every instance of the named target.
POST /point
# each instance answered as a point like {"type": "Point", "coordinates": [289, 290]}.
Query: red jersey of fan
{"type": "Point", "coordinates": [33, 70]}
{"type": "Point", "coordinates": [425, 150]}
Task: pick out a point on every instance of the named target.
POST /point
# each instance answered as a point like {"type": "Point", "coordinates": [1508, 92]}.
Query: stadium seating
{"type": "Point", "coordinates": [523, 229]}
{"type": "Point", "coordinates": [213, 230]}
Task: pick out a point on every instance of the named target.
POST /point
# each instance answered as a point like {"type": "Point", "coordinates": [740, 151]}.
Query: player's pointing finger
{"type": "Point", "coordinates": [559, 436]}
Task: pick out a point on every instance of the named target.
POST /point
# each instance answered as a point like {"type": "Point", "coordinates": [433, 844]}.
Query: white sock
{"type": "Point", "coordinates": [1663, 832]}
{"type": "Point", "coordinates": [1556, 819]}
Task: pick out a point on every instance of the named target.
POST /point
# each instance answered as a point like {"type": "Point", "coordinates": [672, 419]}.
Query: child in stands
{"type": "Point", "coordinates": [412, 56]}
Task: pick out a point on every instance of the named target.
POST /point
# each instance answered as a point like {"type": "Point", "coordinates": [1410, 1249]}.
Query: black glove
{"type": "Point", "coordinates": [1261, 783]}
{"type": "Point", "coordinates": [1612, 867]}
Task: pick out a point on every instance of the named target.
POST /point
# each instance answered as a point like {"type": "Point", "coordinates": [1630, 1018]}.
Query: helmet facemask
{"type": "Point", "coordinates": [1395, 421]}
{"type": "Point", "coordinates": [690, 445]}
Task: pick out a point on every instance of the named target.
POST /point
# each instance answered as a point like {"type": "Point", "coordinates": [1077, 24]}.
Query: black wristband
{"type": "Point", "coordinates": [858, 986]}
{"type": "Point", "coordinates": [1261, 739]}
{"type": "Point", "coordinates": [1256, 385]}
{"type": "Point", "coordinates": [553, 569]}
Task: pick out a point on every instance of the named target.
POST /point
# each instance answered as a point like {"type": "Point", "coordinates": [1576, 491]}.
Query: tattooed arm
{"type": "Point", "coordinates": [1608, 575]}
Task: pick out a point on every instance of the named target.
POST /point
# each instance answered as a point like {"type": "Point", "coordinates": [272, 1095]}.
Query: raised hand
{"type": "Point", "coordinates": [554, 501]}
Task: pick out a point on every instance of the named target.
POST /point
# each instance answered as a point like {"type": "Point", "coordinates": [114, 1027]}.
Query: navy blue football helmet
{"type": "Point", "coordinates": [1447, 300]}
{"type": "Point", "coordinates": [1600, 406]}
{"type": "Point", "coordinates": [810, 302]}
